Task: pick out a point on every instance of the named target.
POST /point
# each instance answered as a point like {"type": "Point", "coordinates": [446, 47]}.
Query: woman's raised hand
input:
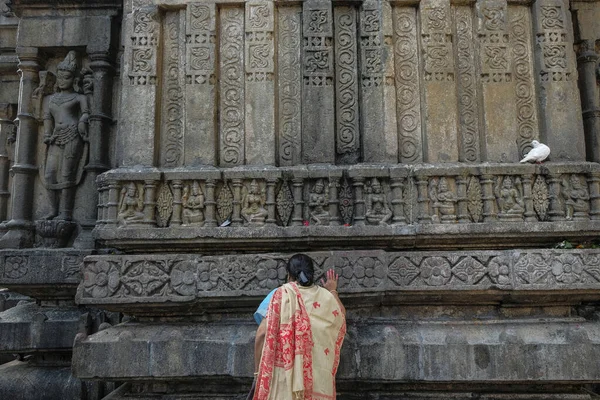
{"type": "Point", "coordinates": [331, 281]}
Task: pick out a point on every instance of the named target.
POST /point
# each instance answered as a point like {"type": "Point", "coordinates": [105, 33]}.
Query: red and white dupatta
{"type": "Point", "coordinates": [305, 331]}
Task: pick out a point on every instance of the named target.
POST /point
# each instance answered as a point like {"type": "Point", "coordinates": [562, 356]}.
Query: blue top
{"type": "Point", "coordinates": [261, 311]}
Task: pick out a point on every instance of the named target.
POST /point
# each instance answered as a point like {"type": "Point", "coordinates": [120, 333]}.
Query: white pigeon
{"type": "Point", "coordinates": [538, 154]}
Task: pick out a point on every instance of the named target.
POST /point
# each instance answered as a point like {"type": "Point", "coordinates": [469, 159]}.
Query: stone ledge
{"type": "Point", "coordinates": [273, 238]}
{"type": "Point", "coordinates": [152, 282]}
{"type": "Point", "coordinates": [31, 328]}
{"type": "Point", "coordinates": [42, 274]}
{"type": "Point", "coordinates": [394, 205]}
{"type": "Point", "coordinates": [532, 352]}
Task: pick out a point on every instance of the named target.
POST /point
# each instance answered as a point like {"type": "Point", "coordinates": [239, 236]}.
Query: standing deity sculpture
{"type": "Point", "coordinates": [253, 202]}
{"type": "Point", "coordinates": [131, 205]}
{"type": "Point", "coordinates": [319, 204]}
{"type": "Point", "coordinates": [509, 195]}
{"type": "Point", "coordinates": [377, 210]}
{"type": "Point", "coordinates": [65, 133]}
{"type": "Point", "coordinates": [193, 204]}
{"type": "Point", "coordinates": [576, 197]}
{"type": "Point", "coordinates": [444, 201]}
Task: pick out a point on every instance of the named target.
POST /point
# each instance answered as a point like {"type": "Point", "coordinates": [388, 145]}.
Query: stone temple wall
{"type": "Point", "coordinates": [160, 160]}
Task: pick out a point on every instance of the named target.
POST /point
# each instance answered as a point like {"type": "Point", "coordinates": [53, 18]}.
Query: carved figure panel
{"type": "Point", "coordinates": [576, 197]}
{"type": "Point", "coordinates": [318, 203]}
{"type": "Point", "coordinates": [253, 203]}
{"type": "Point", "coordinates": [377, 203]}
{"type": "Point", "coordinates": [443, 200]}
{"type": "Point", "coordinates": [65, 115]}
{"type": "Point", "coordinates": [509, 197]}
{"type": "Point", "coordinates": [131, 204]}
{"type": "Point", "coordinates": [192, 203]}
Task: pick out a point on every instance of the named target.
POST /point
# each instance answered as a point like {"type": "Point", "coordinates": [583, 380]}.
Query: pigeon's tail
{"type": "Point", "coordinates": [526, 159]}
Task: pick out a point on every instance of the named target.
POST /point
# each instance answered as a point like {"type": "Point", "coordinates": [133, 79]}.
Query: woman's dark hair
{"type": "Point", "coordinates": [301, 269]}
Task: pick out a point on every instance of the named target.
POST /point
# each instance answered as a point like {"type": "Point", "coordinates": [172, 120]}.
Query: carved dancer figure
{"type": "Point", "coordinates": [444, 200]}
{"type": "Point", "coordinates": [65, 130]}
{"type": "Point", "coordinates": [318, 201]}
{"type": "Point", "coordinates": [131, 208]}
{"type": "Point", "coordinates": [576, 197]}
{"type": "Point", "coordinates": [378, 212]}
{"type": "Point", "coordinates": [509, 196]}
{"type": "Point", "coordinates": [193, 205]}
{"type": "Point", "coordinates": [253, 202]}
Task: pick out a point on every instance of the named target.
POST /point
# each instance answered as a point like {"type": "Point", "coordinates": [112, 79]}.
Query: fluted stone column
{"type": "Point", "coordinates": [21, 227]}
{"type": "Point", "coordinates": [7, 128]}
{"type": "Point", "coordinates": [587, 61]}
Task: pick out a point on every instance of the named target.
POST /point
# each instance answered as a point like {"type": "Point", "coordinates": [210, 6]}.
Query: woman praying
{"type": "Point", "coordinates": [297, 345]}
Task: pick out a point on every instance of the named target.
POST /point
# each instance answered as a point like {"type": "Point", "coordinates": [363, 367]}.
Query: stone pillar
{"type": "Point", "coordinates": [347, 130]}
{"type": "Point", "coordinates": [21, 226]}
{"type": "Point", "coordinates": [112, 206]}
{"type": "Point", "coordinates": [260, 85]}
{"type": "Point", "coordinates": [555, 211]}
{"type": "Point", "coordinates": [397, 186]}
{"type": "Point", "coordinates": [561, 125]}
{"type": "Point", "coordinates": [318, 116]}
{"type": "Point", "coordinates": [100, 120]}
{"type": "Point", "coordinates": [298, 189]}
{"type": "Point", "coordinates": [289, 69]}
{"type": "Point", "coordinates": [461, 197]}
{"type": "Point", "coordinates": [489, 200]}
{"type": "Point", "coordinates": [440, 88]}
{"type": "Point", "coordinates": [150, 202]}
{"type": "Point", "coordinates": [467, 85]}
{"type": "Point", "coordinates": [527, 198]}
{"type": "Point", "coordinates": [231, 87]}
{"type": "Point", "coordinates": [270, 201]}
{"type": "Point", "coordinates": [594, 183]}
{"type": "Point", "coordinates": [7, 130]}
{"type": "Point", "coordinates": [334, 201]}
{"type": "Point", "coordinates": [137, 125]}
{"type": "Point", "coordinates": [423, 200]}
{"type": "Point", "coordinates": [200, 85]}
{"type": "Point", "coordinates": [177, 186]}
{"type": "Point", "coordinates": [498, 93]}
{"type": "Point", "coordinates": [210, 203]}
{"type": "Point", "coordinates": [374, 143]}
{"type": "Point", "coordinates": [236, 217]}
{"type": "Point", "coordinates": [408, 85]}
{"type": "Point", "coordinates": [359, 201]}
{"type": "Point", "coordinates": [587, 62]}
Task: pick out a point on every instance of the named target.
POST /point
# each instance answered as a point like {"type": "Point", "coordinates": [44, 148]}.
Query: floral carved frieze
{"type": "Point", "coordinates": [183, 277]}
{"type": "Point", "coordinates": [372, 195]}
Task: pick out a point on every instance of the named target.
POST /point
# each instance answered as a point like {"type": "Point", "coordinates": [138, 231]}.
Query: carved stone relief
{"type": "Point", "coordinates": [443, 201]}
{"type": "Point", "coordinates": [131, 204]}
{"type": "Point", "coordinates": [172, 276]}
{"type": "Point", "coordinates": [407, 84]}
{"type": "Point", "coordinates": [318, 203]}
{"type": "Point", "coordinates": [509, 197]}
{"type": "Point", "coordinates": [253, 203]}
{"type": "Point", "coordinates": [377, 206]}
{"type": "Point", "coordinates": [576, 197]}
{"type": "Point", "coordinates": [144, 46]}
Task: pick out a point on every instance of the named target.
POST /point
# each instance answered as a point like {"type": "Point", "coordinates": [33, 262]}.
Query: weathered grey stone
{"type": "Point", "coordinates": [28, 327]}
{"type": "Point", "coordinates": [374, 351]}
{"type": "Point", "coordinates": [43, 274]}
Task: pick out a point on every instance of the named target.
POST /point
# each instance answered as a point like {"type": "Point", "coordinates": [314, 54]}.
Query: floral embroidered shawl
{"type": "Point", "coordinates": [305, 331]}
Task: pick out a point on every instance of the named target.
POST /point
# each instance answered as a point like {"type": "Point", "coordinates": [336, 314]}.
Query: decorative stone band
{"type": "Point", "coordinates": [128, 281]}
{"type": "Point", "coordinates": [42, 274]}
{"type": "Point", "coordinates": [258, 206]}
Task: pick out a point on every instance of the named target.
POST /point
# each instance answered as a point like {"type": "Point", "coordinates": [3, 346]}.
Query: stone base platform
{"type": "Point", "coordinates": [376, 352]}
